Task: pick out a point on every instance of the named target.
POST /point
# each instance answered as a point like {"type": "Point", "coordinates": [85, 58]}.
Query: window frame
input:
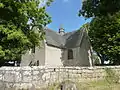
{"type": "Point", "coordinates": [70, 54]}
{"type": "Point", "coordinates": [37, 63]}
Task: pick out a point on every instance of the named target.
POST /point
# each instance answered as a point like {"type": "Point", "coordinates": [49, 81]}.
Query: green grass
{"type": "Point", "coordinates": [88, 85]}
{"type": "Point", "coordinates": [98, 85]}
{"type": "Point", "coordinates": [93, 85]}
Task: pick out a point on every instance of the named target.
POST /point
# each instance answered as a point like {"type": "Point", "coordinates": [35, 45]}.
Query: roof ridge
{"type": "Point", "coordinates": [71, 32]}
{"type": "Point", "coordinates": [52, 31]}
{"type": "Point", "coordinates": [56, 39]}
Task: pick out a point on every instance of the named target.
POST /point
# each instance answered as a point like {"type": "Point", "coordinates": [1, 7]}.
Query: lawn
{"type": "Point", "coordinates": [98, 85]}
{"type": "Point", "coordinates": [93, 85]}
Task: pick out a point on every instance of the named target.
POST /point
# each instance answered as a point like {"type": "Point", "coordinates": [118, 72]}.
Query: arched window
{"type": "Point", "coordinates": [70, 54]}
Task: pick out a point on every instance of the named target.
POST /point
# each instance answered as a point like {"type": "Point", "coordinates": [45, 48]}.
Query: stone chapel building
{"type": "Point", "coordinates": [61, 49]}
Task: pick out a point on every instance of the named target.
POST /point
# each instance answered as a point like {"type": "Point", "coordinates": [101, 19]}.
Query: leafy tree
{"type": "Point", "coordinates": [17, 21]}
{"type": "Point", "coordinates": [93, 8]}
{"type": "Point", "coordinates": [105, 37]}
{"type": "Point", "coordinates": [104, 28]}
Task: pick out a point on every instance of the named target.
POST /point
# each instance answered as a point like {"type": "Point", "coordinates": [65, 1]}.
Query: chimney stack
{"type": "Point", "coordinates": [61, 30]}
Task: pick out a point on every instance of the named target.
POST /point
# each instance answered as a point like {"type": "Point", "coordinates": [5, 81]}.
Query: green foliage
{"type": "Point", "coordinates": [93, 8]}
{"type": "Point", "coordinates": [12, 42]}
{"type": "Point", "coordinates": [104, 29]}
{"type": "Point", "coordinates": [105, 36]}
{"type": "Point", "coordinates": [111, 76]}
{"type": "Point", "coordinates": [17, 21]}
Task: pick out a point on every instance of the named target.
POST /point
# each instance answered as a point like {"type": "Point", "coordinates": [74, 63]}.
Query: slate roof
{"type": "Point", "coordinates": [68, 40]}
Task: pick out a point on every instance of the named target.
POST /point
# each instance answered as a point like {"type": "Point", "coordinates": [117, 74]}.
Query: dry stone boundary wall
{"type": "Point", "coordinates": [40, 76]}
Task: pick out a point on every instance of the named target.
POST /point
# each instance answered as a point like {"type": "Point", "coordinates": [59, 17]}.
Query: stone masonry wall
{"type": "Point", "coordinates": [26, 77]}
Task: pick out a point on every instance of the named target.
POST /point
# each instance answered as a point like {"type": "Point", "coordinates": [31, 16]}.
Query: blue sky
{"type": "Point", "coordinates": [65, 13]}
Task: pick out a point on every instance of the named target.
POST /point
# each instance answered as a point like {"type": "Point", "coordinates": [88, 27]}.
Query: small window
{"type": "Point", "coordinates": [33, 50]}
{"type": "Point", "coordinates": [70, 54]}
{"type": "Point", "coordinates": [37, 62]}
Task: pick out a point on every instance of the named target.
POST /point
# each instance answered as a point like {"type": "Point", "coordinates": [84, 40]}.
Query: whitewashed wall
{"type": "Point", "coordinates": [53, 56]}
{"type": "Point", "coordinates": [26, 59]}
{"type": "Point", "coordinates": [39, 55]}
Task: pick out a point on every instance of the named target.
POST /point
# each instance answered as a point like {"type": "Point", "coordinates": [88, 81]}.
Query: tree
{"type": "Point", "coordinates": [17, 21]}
{"type": "Point", "coordinates": [104, 28]}
{"type": "Point", "coordinates": [105, 37]}
{"type": "Point", "coordinates": [93, 8]}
